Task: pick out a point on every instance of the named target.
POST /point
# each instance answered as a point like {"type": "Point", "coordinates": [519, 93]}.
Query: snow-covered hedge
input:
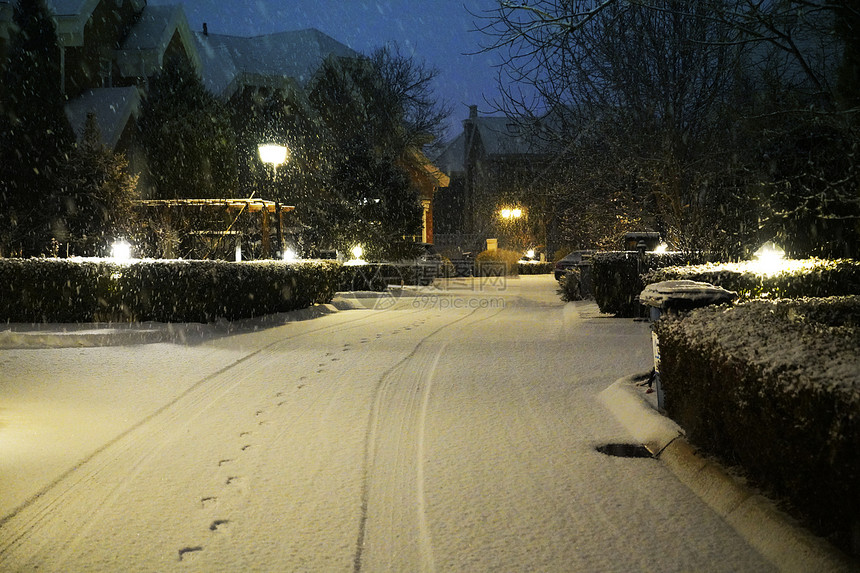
{"type": "Point", "coordinates": [85, 290]}
{"type": "Point", "coordinates": [617, 281]}
{"type": "Point", "coordinates": [535, 268]}
{"type": "Point", "coordinates": [774, 387]}
{"type": "Point", "coordinates": [377, 276]}
{"type": "Point", "coordinates": [809, 277]}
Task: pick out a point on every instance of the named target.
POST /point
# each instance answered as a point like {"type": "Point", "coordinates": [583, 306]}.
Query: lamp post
{"type": "Point", "coordinates": [273, 154]}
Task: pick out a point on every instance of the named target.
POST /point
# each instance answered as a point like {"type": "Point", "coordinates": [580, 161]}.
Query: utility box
{"type": "Point", "coordinates": [671, 297]}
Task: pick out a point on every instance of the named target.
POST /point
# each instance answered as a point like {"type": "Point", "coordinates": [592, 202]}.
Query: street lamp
{"type": "Point", "coordinates": [274, 154]}
{"type": "Point", "coordinates": [514, 213]}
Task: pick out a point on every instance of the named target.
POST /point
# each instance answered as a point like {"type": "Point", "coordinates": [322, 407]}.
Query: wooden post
{"type": "Point", "coordinates": [267, 240]}
{"type": "Point", "coordinates": [280, 228]}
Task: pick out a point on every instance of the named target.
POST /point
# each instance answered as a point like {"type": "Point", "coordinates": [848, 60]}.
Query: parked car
{"type": "Point", "coordinates": [570, 261]}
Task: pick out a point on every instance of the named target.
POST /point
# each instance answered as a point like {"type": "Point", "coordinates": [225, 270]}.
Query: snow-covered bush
{"type": "Point", "coordinates": [616, 276]}
{"type": "Point", "coordinates": [570, 285]}
{"type": "Point", "coordinates": [535, 268]}
{"type": "Point", "coordinates": [51, 290]}
{"type": "Point", "coordinates": [809, 277]}
{"type": "Point", "coordinates": [84, 290]}
{"type": "Point", "coordinates": [774, 387]}
{"type": "Point", "coordinates": [377, 276]}
{"type": "Point", "coordinates": [497, 262]}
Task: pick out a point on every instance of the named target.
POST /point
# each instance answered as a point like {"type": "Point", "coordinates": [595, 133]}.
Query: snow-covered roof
{"type": "Point", "coordinates": [142, 53]}
{"type": "Point", "coordinates": [113, 107]}
{"type": "Point", "coordinates": [499, 135]}
{"type": "Point", "coordinates": [504, 136]}
{"type": "Point", "coordinates": [451, 159]}
{"type": "Point", "coordinates": [229, 62]}
{"type": "Point", "coordinates": [71, 17]}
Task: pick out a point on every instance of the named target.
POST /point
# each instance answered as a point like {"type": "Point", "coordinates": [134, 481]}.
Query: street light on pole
{"type": "Point", "coordinates": [273, 154]}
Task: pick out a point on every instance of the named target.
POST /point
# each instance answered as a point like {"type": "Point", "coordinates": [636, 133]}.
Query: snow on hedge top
{"type": "Point", "coordinates": [684, 292]}
{"type": "Point", "coordinates": [809, 342]}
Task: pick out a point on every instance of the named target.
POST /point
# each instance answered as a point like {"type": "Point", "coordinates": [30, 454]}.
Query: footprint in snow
{"type": "Point", "coordinates": [223, 462]}
{"type": "Point", "coordinates": [207, 502]}
{"type": "Point", "coordinates": [219, 525]}
{"type": "Point", "coordinates": [187, 552]}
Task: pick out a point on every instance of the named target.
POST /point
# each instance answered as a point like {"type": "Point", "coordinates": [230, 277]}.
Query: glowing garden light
{"type": "Point", "coordinates": [769, 259]}
{"type": "Point", "coordinates": [661, 248]}
{"type": "Point", "coordinates": [290, 255]}
{"type": "Point", "coordinates": [530, 253]}
{"type": "Point", "coordinates": [121, 251]}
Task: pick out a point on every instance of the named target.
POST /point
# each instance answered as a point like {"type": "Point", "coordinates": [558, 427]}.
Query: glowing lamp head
{"type": "Point", "coordinates": [121, 251]}
{"type": "Point", "coordinates": [769, 259]}
{"type": "Point", "coordinates": [530, 253]}
{"type": "Point", "coordinates": [506, 213]}
{"type": "Point", "coordinates": [357, 252]}
{"type": "Point", "coordinates": [272, 153]}
{"type": "Point", "coordinates": [661, 248]}
{"type": "Point", "coordinates": [516, 213]}
{"type": "Point", "coordinates": [290, 255]}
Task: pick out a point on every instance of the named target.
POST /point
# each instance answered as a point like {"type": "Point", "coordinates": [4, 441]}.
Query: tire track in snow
{"type": "Point", "coordinates": [39, 532]}
{"type": "Point", "coordinates": [393, 503]}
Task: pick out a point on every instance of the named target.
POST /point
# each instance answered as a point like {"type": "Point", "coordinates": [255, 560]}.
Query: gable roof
{"type": "Point", "coordinates": [113, 108]}
{"type": "Point", "coordinates": [498, 135]}
{"type": "Point", "coordinates": [142, 53]}
{"type": "Point", "coordinates": [229, 62]}
{"type": "Point", "coordinates": [71, 17]}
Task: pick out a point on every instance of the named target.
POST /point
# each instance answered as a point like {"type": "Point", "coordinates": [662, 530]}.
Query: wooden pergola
{"type": "Point", "coordinates": [251, 205]}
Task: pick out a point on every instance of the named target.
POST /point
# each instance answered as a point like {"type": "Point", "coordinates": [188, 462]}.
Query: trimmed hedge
{"type": "Point", "coordinates": [81, 290]}
{"type": "Point", "coordinates": [498, 262]}
{"type": "Point", "coordinates": [377, 276]}
{"type": "Point", "coordinates": [536, 268]}
{"type": "Point", "coordinates": [774, 387]}
{"type": "Point", "coordinates": [809, 277]}
{"type": "Point", "coordinates": [616, 277]}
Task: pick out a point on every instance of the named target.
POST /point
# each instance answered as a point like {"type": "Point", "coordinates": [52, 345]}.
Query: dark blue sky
{"type": "Point", "coordinates": [436, 31]}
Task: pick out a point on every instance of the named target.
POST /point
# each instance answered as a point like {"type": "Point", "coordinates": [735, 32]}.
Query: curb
{"type": "Point", "coordinates": [774, 534]}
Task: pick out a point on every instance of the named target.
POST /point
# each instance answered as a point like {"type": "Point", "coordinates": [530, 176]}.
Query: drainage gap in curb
{"type": "Point", "coordinates": [625, 451]}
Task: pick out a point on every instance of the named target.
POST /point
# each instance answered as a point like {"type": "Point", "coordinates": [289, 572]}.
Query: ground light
{"type": "Point", "coordinates": [290, 255]}
{"type": "Point", "coordinates": [661, 248]}
{"type": "Point", "coordinates": [120, 251]}
{"type": "Point", "coordinates": [357, 252]}
{"type": "Point", "coordinates": [769, 259]}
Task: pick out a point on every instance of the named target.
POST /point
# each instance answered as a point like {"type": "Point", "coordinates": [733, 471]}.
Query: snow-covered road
{"type": "Point", "coordinates": [454, 431]}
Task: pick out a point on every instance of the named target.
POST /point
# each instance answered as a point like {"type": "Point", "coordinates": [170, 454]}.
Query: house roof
{"type": "Point", "coordinates": [499, 135]}
{"type": "Point", "coordinates": [71, 17]}
{"type": "Point", "coordinates": [142, 53]}
{"type": "Point", "coordinates": [113, 107]}
{"type": "Point", "coordinates": [451, 159]}
{"type": "Point", "coordinates": [229, 62]}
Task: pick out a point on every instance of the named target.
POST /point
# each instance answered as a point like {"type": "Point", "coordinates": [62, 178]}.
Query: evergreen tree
{"type": "Point", "coordinates": [377, 206]}
{"type": "Point", "coordinates": [35, 135]}
{"type": "Point", "coordinates": [188, 138]}
{"type": "Point", "coordinates": [96, 206]}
